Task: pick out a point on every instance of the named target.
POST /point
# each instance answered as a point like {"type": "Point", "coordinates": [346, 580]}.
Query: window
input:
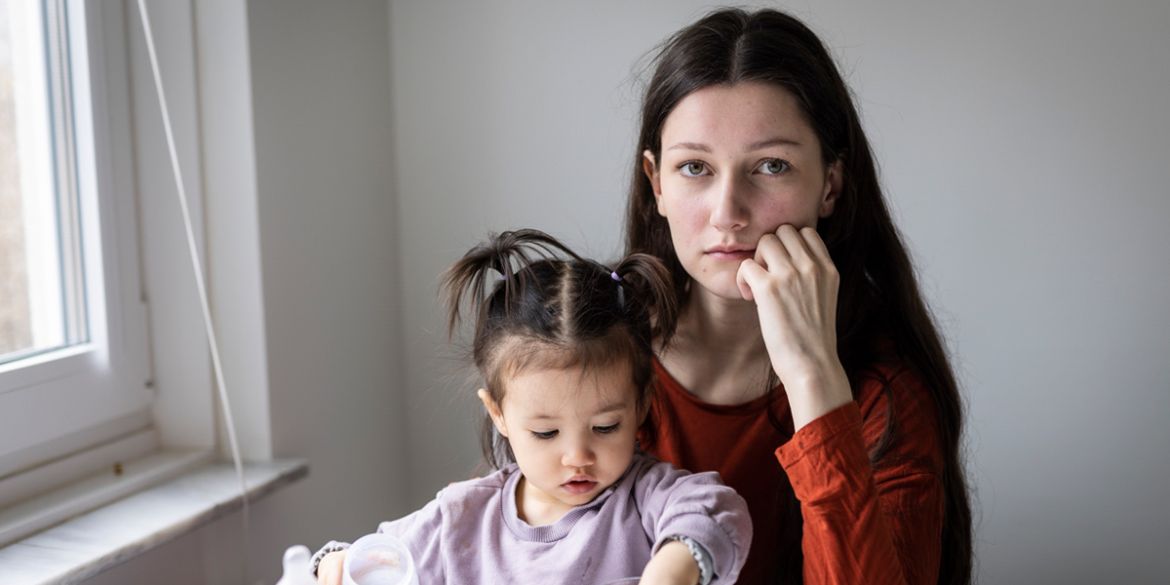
{"type": "Point", "coordinates": [44, 306]}
{"type": "Point", "coordinates": [74, 360]}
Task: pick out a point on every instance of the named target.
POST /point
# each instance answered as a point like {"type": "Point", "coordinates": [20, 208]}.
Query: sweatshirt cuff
{"type": "Point", "coordinates": [711, 538]}
{"type": "Point", "coordinates": [823, 458]}
{"type": "Point", "coordinates": [702, 557]}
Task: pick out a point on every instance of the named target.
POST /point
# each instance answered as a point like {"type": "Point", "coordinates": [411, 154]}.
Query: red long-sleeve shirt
{"type": "Point", "coordinates": [861, 523]}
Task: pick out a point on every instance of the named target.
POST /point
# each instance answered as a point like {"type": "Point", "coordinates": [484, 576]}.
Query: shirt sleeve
{"type": "Point", "coordinates": [697, 506]}
{"type": "Point", "coordinates": [422, 532]}
{"type": "Point", "coordinates": [864, 524]}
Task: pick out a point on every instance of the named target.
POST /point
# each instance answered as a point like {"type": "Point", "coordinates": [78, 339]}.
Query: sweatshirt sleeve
{"type": "Point", "coordinates": [421, 532]}
{"type": "Point", "coordinates": [698, 506]}
{"type": "Point", "coordinates": [861, 524]}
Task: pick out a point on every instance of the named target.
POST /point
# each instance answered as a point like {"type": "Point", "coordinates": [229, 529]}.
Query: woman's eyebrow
{"type": "Point", "coordinates": [776, 141]}
{"type": "Point", "coordinates": [690, 146]}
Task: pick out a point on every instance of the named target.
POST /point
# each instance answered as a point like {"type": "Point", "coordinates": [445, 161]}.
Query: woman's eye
{"type": "Point", "coordinates": [693, 169]}
{"type": "Point", "coordinates": [774, 166]}
{"type": "Point", "coordinates": [544, 435]}
{"type": "Point", "coordinates": [606, 429]}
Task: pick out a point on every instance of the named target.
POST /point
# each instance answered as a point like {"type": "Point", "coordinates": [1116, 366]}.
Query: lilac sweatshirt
{"type": "Point", "coordinates": [471, 532]}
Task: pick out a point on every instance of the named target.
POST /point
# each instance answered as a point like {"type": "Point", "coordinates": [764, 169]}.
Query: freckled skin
{"type": "Point", "coordinates": [736, 197]}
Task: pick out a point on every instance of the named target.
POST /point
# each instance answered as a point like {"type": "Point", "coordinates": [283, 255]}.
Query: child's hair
{"type": "Point", "coordinates": [554, 309]}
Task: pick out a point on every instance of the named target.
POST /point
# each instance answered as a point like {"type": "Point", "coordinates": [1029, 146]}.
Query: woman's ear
{"type": "Point", "coordinates": [493, 410]}
{"type": "Point", "coordinates": [834, 182]}
{"type": "Point", "coordinates": [650, 169]}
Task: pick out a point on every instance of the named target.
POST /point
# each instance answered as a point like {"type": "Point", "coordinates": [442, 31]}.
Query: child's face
{"type": "Point", "coordinates": [572, 434]}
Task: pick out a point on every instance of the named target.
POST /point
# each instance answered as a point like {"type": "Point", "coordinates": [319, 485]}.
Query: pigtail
{"type": "Point", "coordinates": [508, 254]}
{"type": "Point", "coordinates": [650, 297]}
{"type": "Point", "coordinates": [467, 278]}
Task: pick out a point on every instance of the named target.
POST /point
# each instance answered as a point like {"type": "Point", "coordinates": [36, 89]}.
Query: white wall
{"type": "Point", "coordinates": [324, 200]}
{"type": "Point", "coordinates": [1024, 150]}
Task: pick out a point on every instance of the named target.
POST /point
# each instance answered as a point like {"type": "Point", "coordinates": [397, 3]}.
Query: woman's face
{"type": "Point", "coordinates": [738, 161]}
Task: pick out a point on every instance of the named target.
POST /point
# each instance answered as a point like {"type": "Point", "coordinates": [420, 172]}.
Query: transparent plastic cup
{"type": "Point", "coordinates": [378, 559]}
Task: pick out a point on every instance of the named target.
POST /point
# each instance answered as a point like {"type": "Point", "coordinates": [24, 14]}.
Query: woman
{"type": "Point", "coordinates": [805, 368]}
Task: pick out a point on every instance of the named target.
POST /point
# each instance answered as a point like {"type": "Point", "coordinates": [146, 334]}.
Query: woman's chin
{"type": "Point", "coordinates": [721, 288]}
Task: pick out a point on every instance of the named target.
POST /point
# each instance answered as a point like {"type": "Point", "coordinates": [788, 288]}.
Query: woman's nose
{"type": "Point", "coordinates": [729, 210]}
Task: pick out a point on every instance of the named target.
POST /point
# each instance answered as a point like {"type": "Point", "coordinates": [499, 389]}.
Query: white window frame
{"type": "Point", "coordinates": [96, 394]}
{"type": "Point", "coordinates": [153, 299]}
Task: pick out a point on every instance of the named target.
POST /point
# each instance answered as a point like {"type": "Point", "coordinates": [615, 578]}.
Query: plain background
{"type": "Point", "coordinates": [1024, 150]}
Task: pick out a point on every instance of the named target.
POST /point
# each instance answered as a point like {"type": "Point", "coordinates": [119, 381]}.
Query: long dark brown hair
{"type": "Point", "coordinates": [880, 312]}
{"type": "Point", "coordinates": [550, 307]}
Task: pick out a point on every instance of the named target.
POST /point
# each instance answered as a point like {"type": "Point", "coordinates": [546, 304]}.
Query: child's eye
{"type": "Point", "coordinates": [693, 168]}
{"type": "Point", "coordinates": [544, 435]}
{"type": "Point", "coordinates": [773, 166]}
{"type": "Point", "coordinates": [606, 429]}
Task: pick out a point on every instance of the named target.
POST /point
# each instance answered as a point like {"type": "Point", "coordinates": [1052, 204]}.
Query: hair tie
{"type": "Point", "coordinates": [621, 291]}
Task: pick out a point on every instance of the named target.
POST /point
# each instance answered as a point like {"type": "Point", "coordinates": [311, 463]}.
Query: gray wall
{"type": "Point", "coordinates": [1023, 149]}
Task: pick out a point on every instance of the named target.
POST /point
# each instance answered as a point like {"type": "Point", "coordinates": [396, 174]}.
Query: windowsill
{"type": "Point", "coordinates": [88, 544]}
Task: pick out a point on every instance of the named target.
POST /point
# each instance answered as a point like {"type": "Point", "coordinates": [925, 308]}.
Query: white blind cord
{"type": "Point", "coordinates": [225, 404]}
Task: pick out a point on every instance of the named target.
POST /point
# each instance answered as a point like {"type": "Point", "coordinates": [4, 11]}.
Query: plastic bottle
{"type": "Point", "coordinates": [297, 569]}
{"type": "Point", "coordinates": [378, 559]}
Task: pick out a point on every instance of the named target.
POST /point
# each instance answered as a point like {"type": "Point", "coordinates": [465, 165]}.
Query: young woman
{"type": "Point", "coordinates": [806, 368]}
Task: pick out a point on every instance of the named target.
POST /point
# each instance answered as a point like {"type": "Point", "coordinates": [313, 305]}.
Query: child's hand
{"type": "Point", "coordinates": [329, 571]}
{"type": "Point", "coordinates": [673, 564]}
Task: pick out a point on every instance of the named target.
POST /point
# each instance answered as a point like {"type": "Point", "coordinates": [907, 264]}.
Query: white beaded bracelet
{"type": "Point", "coordinates": [702, 557]}
{"type": "Point", "coordinates": [332, 547]}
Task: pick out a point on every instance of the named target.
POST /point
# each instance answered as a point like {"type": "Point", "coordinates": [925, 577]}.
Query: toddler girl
{"type": "Point", "coordinates": [564, 347]}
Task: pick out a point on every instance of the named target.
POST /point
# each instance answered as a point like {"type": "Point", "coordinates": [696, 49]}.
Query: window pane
{"type": "Point", "coordinates": [37, 265]}
{"type": "Point", "coordinates": [15, 331]}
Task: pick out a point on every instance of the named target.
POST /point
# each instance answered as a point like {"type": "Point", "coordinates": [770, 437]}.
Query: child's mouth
{"type": "Point", "coordinates": [578, 487]}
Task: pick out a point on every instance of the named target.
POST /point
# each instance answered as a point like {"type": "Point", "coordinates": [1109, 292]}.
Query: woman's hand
{"type": "Point", "coordinates": [794, 284]}
{"type": "Point", "coordinates": [673, 564]}
{"type": "Point", "coordinates": [329, 571]}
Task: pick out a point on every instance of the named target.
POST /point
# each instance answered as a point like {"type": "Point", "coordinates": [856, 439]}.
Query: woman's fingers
{"type": "Point", "coordinates": [815, 245]}
{"type": "Point", "coordinates": [797, 248]}
{"type": "Point", "coordinates": [749, 277]}
{"type": "Point", "coordinates": [789, 249]}
{"type": "Point", "coordinates": [793, 282]}
{"type": "Point", "coordinates": [771, 253]}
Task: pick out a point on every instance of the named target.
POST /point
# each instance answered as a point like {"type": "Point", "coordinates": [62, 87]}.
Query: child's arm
{"type": "Point", "coordinates": [329, 568]}
{"type": "Point", "coordinates": [676, 504]}
{"type": "Point", "coordinates": [421, 532]}
{"type": "Point", "coordinates": [673, 564]}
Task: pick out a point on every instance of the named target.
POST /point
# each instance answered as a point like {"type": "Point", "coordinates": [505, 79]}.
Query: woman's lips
{"type": "Point", "coordinates": [736, 255]}
{"type": "Point", "coordinates": [578, 487]}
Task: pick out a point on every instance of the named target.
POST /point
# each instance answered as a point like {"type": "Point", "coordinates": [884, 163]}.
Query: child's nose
{"type": "Point", "coordinates": [579, 455]}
